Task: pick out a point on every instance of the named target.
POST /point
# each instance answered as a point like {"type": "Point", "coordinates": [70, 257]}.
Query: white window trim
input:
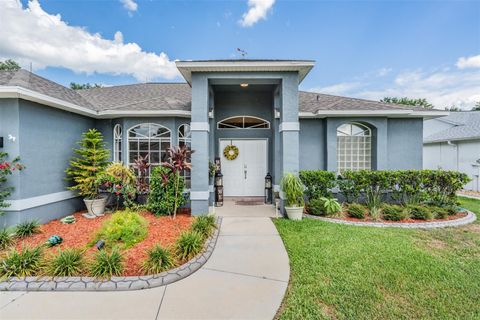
{"type": "Point", "coordinates": [161, 139]}
{"type": "Point", "coordinates": [243, 118]}
{"type": "Point", "coordinates": [369, 135]}
{"type": "Point", "coordinates": [117, 138]}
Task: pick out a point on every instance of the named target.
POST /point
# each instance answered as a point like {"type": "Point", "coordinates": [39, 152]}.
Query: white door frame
{"type": "Point", "coordinates": [267, 149]}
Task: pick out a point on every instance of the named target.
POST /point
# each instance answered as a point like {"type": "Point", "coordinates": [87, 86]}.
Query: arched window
{"type": "Point", "coordinates": [117, 143]}
{"type": "Point", "coordinates": [354, 147]}
{"type": "Point", "coordinates": [185, 139]}
{"type": "Point", "coordinates": [243, 122]}
{"type": "Point", "coordinates": [148, 140]}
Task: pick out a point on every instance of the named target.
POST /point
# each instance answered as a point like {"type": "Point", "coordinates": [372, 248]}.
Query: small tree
{"type": "Point", "coordinates": [9, 65]}
{"type": "Point", "coordinates": [7, 168]}
{"type": "Point", "coordinates": [477, 106]}
{"type": "Point", "coordinates": [89, 164]}
{"type": "Point", "coordinates": [177, 163]}
{"type": "Point", "coordinates": [81, 86]}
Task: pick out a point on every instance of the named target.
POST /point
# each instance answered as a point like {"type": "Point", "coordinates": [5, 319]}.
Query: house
{"type": "Point", "coordinates": [453, 143]}
{"type": "Point", "coordinates": [254, 105]}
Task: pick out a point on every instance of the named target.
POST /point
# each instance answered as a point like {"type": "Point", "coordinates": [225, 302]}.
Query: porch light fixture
{"type": "Point", "coordinates": [243, 85]}
{"type": "Point", "coordinates": [268, 188]}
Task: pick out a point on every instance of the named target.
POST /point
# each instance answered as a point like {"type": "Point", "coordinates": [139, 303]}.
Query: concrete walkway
{"type": "Point", "coordinates": [245, 278]}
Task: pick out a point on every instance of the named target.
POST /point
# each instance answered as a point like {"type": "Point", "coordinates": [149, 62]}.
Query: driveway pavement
{"type": "Point", "coordinates": [245, 278]}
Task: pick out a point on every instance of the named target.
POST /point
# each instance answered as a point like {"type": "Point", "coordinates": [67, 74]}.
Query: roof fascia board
{"type": "Point", "coordinates": [373, 113]}
{"type": "Point", "coordinates": [455, 139]}
{"type": "Point", "coordinates": [30, 95]}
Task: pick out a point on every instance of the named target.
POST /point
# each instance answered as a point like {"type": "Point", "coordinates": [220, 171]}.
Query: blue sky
{"type": "Point", "coordinates": [366, 49]}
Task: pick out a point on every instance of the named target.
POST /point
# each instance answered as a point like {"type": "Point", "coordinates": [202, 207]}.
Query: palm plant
{"type": "Point", "coordinates": [178, 162]}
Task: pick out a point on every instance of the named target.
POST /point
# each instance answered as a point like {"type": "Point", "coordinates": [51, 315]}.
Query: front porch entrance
{"type": "Point", "coordinates": [244, 176]}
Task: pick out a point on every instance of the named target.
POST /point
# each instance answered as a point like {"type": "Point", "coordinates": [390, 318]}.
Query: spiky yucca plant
{"type": "Point", "coordinates": [90, 161]}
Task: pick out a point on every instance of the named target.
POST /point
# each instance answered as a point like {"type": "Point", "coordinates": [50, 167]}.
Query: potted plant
{"type": "Point", "coordinates": [85, 169]}
{"type": "Point", "coordinates": [141, 166]}
{"type": "Point", "coordinates": [292, 191]}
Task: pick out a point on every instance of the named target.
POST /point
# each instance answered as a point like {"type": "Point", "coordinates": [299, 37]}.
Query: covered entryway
{"type": "Point", "coordinates": [244, 176]}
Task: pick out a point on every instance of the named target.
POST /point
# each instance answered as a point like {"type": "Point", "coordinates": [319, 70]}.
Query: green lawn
{"type": "Point", "coordinates": [346, 272]}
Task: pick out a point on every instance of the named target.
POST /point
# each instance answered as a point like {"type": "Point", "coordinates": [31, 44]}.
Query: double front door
{"type": "Point", "coordinates": [245, 175]}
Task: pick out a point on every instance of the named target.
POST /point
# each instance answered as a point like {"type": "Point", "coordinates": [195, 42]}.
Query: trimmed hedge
{"type": "Point", "coordinates": [435, 187]}
{"type": "Point", "coordinates": [394, 212]}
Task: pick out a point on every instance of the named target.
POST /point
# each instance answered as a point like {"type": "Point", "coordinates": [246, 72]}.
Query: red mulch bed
{"type": "Point", "coordinates": [161, 230]}
{"type": "Point", "coordinates": [345, 217]}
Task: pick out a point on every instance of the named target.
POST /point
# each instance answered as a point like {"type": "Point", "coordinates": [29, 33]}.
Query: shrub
{"type": "Point", "coordinates": [120, 182]}
{"type": "Point", "coordinates": [5, 239]}
{"type": "Point", "coordinates": [452, 209]}
{"type": "Point", "coordinates": [158, 260]}
{"type": "Point", "coordinates": [124, 227]}
{"type": "Point", "coordinates": [292, 188]}
{"type": "Point", "coordinates": [439, 212]}
{"type": "Point", "coordinates": [27, 228]}
{"type": "Point", "coordinates": [121, 172]}
{"type": "Point", "coordinates": [22, 264]}
{"type": "Point", "coordinates": [161, 200]}
{"type": "Point", "coordinates": [204, 225]}
{"type": "Point", "coordinates": [331, 206]}
{"type": "Point", "coordinates": [316, 207]}
{"type": "Point", "coordinates": [6, 169]}
{"type": "Point", "coordinates": [356, 210]}
{"type": "Point", "coordinates": [188, 245]}
{"type": "Point", "coordinates": [90, 162]}
{"type": "Point", "coordinates": [318, 183]}
{"type": "Point", "coordinates": [65, 263]}
{"type": "Point", "coordinates": [420, 212]}
{"type": "Point", "coordinates": [394, 213]}
{"type": "Point", "coordinates": [107, 264]}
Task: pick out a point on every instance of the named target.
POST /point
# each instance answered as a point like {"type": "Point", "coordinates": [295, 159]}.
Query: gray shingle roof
{"type": "Point", "coordinates": [169, 96]}
{"type": "Point", "coordinates": [466, 126]}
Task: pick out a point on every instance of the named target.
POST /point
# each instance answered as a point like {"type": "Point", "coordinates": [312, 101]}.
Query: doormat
{"type": "Point", "coordinates": [248, 203]}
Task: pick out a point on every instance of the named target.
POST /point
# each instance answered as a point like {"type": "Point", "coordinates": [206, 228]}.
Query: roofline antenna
{"type": "Point", "coordinates": [242, 52]}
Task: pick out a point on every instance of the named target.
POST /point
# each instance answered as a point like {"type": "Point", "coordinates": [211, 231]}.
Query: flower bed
{"type": "Point", "coordinates": [163, 234]}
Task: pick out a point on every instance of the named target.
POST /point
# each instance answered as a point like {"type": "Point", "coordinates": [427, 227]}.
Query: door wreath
{"type": "Point", "coordinates": [230, 152]}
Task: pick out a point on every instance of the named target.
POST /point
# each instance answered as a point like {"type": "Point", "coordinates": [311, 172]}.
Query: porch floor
{"type": "Point", "coordinates": [230, 208]}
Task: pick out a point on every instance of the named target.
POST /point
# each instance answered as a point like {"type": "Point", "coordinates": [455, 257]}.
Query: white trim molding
{"type": "Point", "coordinates": [289, 126]}
{"type": "Point", "coordinates": [199, 195]}
{"type": "Point", "coordinates": [199, 126]}
{"type": "Point", "coordinates": [428, 114]}
{"type": "Point", "coordinates": [28, 203]}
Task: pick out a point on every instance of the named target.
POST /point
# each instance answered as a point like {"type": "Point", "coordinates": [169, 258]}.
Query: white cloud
{"type": "Point", "coordinates": [130, 5]}
{"type": "Point", "coordinates": [257, 11]}
{"type": "Point", "coordinates": [444, 87]}
{"type": "Point", "coordinates": [33, 35]}
{"type": "Point", "coordinates": [469, 62]}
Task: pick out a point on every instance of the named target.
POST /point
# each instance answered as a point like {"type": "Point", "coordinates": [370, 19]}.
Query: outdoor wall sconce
{"type": "Point", "coordinates": [243, 85]}
{"type": "Point", "coordinates": [268, 188]}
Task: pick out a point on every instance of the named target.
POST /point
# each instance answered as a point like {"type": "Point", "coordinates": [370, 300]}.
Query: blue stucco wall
{"type": "Point", "coordinates": [405, 142]}
{"type": "Point", "coordinates": [312, 144]}
{"type": "Point", "coordinates": [47, 138]}
{"type": "Point", "coordinates": [9, 117]}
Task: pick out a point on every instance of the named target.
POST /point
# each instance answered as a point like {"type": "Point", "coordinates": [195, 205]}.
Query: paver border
{"type": "Point", "coordinates": [469, 218]}
{"type": "Point", "coordinates": [115, 283]}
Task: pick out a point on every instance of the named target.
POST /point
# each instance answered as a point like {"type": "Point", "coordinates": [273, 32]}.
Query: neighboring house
{"type": "Point", "coordinates": [253, 104]}
{"type": "Point", "coordinates": [453, 143]}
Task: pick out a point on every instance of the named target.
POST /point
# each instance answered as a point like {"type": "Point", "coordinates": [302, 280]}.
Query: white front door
{"type": "Point", "coordinates": [245, 175]}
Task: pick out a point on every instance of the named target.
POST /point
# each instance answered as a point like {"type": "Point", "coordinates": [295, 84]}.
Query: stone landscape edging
{"type": "Point", "coordinates": [115, 283]}
{"type": "Point", "coordinates": [469, 218]}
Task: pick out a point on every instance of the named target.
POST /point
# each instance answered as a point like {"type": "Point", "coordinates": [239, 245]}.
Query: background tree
{"type": "Point", "coordinates": [9, 65]}
{"type": "Point", "coordinates": [81, 86]}
{"type": "Point", "coordinates": [453, 108]}
{"type": "Point", "coordinates": [409, 102]}
{"type": "Point", "coordinates": [476, 107]}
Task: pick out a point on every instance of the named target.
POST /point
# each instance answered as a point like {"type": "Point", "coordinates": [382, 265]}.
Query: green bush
{"type": "Point", "coordinates": [27, 228]}
{"type": "Point", "coordinates": [356, 210]}
{"type": "Point", "coordinates": [5, 239]}
{"type": "Point", "coordinates": [204, 225]}
{"type": "Point", "coordinates": [439, 212]}
{"type": "Point", "coordinates": [161, 199]}
{"type": "Point", "coordinates": [106, 265]}
{"type": "Point", "coordinates": [158, 260]}
{"type": "Point", "coordinates": [419, 212]}
{"type": "Point", "coordinates": [125, 228]}
{"type": "Point", "coordinates": [25, 263]}
{"type": "Point", "coordinates": [452, 209]}
{"type": "Point", "coordinates": [188, 245]}
{"type": "Point", "coordinates": [65, 263]}
{"type": "Point", "coordinates": [394, 212]}
{"type": "Point", "coordinates": [318, 183]}
{"type": "Point", "coordinates": [316, 207]}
